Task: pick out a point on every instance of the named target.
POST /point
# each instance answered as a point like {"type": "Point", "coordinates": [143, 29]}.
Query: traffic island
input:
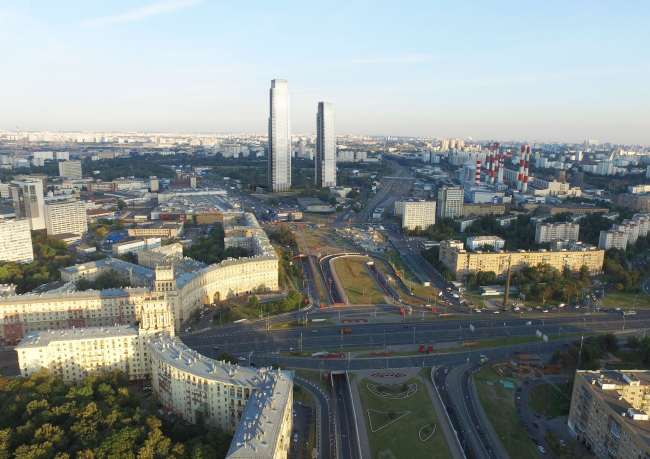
{"type": "Point", "coordinates": [395, 423]}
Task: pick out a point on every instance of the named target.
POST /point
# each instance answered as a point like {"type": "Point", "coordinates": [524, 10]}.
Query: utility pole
{"type": "Point", "coordinates": [505, 298]}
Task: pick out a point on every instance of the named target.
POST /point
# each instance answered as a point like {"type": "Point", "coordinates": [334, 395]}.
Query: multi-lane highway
{"type": "Point", "coordinates": [344, 416]}
{"type": "Point", "coordinates": [268, 345]}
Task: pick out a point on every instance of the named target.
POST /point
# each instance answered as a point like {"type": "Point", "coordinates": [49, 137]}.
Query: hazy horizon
{"type": "Point", "coordinates": [545, 72]}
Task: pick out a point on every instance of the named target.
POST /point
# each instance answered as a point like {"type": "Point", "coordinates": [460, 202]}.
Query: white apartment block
{"type": "Point", "coordinates": [450, 202]}
{"type": "Point", "coordinates": [16, 241]}
{"type": "Point", "coordinates": [547, 232]}
{"type": "Point", "coordinates": [477, 242]}
{"type": "Point", "coordinates": [612, 238]}
{"type": "Point", "coordinates": [419, 214]}
{"type": "Point", "coordinates": [630, 228]}
{"type": "Point", "coordinates": [70, 169]}
{"type": "Point", "coordinates": [66, 217]}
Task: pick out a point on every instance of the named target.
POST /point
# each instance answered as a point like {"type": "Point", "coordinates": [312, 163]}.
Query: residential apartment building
{"type": "Point", "coordinates": [189, 382]}
{"type": "Point", "coordinates": [279, 174]}
{"type": "Point", "coordinates": [138, 245]}
{"type": "Point", "coordinates": [28, 201]}
{"type": "Point", "coordinates": [66, 217]}
{"type": "Point", "coordinates": [187, 285]}
{"type": "Point", "coordinates": [325, 146]}
{"type": "Point", "coordinates": [612, 238]}
{"type": "Point", "coordinates": [450, 202]}
{"type": "Point", "coordinates": [640, 202]}
{"type": "Point", "coordinates": [420, 214]}
{"type": "Point", "coordinates": [460, 262]}
{"type": "Point", "coordinates": [547, 232]}
{"type": "Point", "coordinates": [477, 242]}
{"type": "Point", "coordinates": [609, 413]}
{"type": "Point", "coordinates": [483, 209]}
{"type": "Point", "coordinates": [164, 230]}
{"type": "Point", "coordinates": [16, 241]}
{"type": "Point", "coordinates": [160, 256]}
{"type": "Point", "coordinates": [70, 169]}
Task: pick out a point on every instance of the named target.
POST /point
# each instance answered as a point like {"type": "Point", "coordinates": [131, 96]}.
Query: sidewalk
{"type": "Point", "coordinates": [443, 420]}
{"type": "Point", "coordinates": [364, 442]}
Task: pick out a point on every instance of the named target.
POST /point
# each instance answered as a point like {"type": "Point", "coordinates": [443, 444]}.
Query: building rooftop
{"type": "Point", "coordinates": [88, 294]}
{"type": "Point", "coordinates": [113, 263]}
{"type": "Point", "coordinates": [262, 419]}
{"type": "Point", "coordinates": [608, 384]}
{"type": "Point", "coordinates": [36, 339]}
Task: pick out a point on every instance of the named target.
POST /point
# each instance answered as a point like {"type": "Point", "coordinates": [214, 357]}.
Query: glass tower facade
{"type": "Point", "coordinates": [279, 137]}
{"type": "Point", "coordinates": [325, 146]}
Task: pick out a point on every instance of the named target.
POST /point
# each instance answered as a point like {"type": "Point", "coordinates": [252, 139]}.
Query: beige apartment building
{"type": "Point", "coordinates": [73, 353]}
{"type": "Point", "coordinates": [609, 413]}
{"type": "Point", "coordinates": [483, 209]}
{"type": "Point", "coordinates": [184, 291]}
{"type": "Point", "coordinates": [164, 230]}
{"type": "Point", "coordinates": [187, 382]}
{"type": "Point", "coordinates": [460, 262]}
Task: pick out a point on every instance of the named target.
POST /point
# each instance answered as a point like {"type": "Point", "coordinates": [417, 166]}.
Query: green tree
{"type": "Point", "coordinates": [121, 204]}
{"type": "Point", "coordinates": [253, 302]}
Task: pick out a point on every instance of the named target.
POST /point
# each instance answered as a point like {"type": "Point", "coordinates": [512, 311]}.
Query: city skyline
{"type": "Point", "coordinates": [427, 70]}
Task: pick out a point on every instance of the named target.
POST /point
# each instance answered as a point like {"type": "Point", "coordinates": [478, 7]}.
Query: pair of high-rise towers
{"type": "Point", "coordinates": [280, 141]}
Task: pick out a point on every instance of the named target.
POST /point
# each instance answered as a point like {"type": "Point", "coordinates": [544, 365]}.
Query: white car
{"type": "Point", "coordinates": [496, 312]}
{"type": "Point", "coordinates": [541, 449]}
{"type": "Point", "coordinates": [562, 443]}
{"type": "Point", "coordinates": [529, 323]}
{"type": "Point", "coordinates": [241, 359]}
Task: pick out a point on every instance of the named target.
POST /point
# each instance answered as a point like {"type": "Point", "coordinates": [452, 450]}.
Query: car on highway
{"type": "Point", "coordinates": [445, 371]}
{"type": "Point", "coordinates": [517, 352]}
{"type": "Point", "coordinates": [562, 443]}
{"type": "Point", "coordinates": [496, 312]}
{"type": "Point", "coordinates": [479, 430]}
{"type": "Point", "coordinates": [541, 449]}
{"type": "Point", "coordinates": [216, 348]}
{"type": "Point", "coordinates": [529, 323]}
{"type": "Point", "coordinates": [241, 358]}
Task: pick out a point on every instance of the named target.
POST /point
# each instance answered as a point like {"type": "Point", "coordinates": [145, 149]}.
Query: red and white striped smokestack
{"type": "Point", "coordinates": [502, 165]}
{"type": "Point", "coordinates": [520, 177]}
{"type": "Point", "coordinates": [526, 165]}
{"type": "Point", "coordinates": [477, 179]}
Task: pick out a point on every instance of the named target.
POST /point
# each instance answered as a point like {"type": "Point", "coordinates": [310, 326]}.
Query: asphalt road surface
{"type": "Point", "coordinates": [390, 191]}
{"type": "Point", "coordinates": [345, 418]}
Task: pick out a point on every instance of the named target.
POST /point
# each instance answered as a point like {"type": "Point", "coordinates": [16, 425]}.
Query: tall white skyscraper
{"type": "Point", "coordinates": [28, 201]}
{"type": "Point", "coordinates": [325, 146]}
{"type": "Point", "coordinates": [16, 241]}
{"type": "Point", "coordinates": [279, 137]}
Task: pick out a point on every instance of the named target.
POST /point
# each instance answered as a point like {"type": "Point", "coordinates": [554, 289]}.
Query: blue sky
{"type": "Point", "coordinates": [518, 70]}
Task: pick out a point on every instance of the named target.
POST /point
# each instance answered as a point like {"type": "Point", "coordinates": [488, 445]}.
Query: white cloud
{"type": "Point", "coordinates": [410, 58]}
{"type": "Point", "coordinates": [144, 12]}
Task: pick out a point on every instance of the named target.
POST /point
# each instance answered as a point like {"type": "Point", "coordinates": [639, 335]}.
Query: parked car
{"type": "Point", "coordinates": [541, 449]}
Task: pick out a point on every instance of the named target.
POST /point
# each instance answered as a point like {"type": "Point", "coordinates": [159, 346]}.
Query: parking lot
{"type": "Point", "coordinates": [300, 433]}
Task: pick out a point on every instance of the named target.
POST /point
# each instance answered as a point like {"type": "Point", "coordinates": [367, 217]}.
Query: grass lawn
{"type": "Point", "coordinates": [357, 283]}
{"type": "Point", "coordinates": [548, 401]}
{"type": "Point", "coordinates": [294, 323]}
{"type": "Point", "coordinates": [401, 437]}
{"type": "Point", "coordinates": [499, 405]}
{"type": "Point", "coordinates": [244, 312]}
{"type": "Point", "coordinates": [625, 300]}
{"type": "Point", "coordinates": [314, 376]}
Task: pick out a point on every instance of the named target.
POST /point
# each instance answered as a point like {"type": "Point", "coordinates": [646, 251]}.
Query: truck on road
{"type": "Point", "coordinates": [483, 359]}
{"type": "Point", "coordinates": [346, 330]}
